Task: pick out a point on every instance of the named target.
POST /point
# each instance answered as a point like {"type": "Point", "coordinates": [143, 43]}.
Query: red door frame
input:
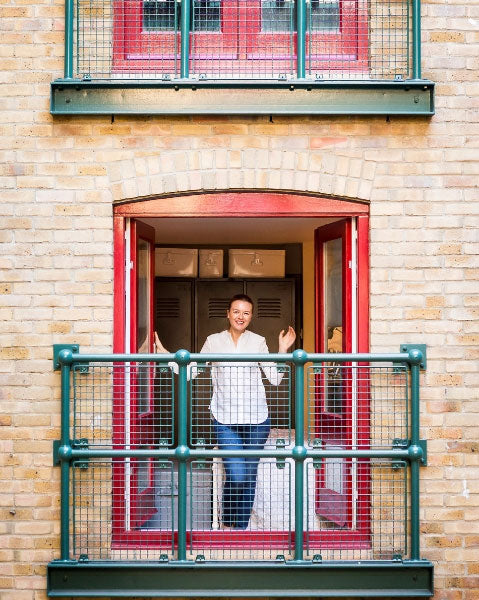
{"type": "Point", "coordinates": [335, 428]}
{"type": "Point", "coordinates": [230, 205]}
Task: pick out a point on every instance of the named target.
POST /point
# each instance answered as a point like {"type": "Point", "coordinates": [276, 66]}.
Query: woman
{"type": "Point", "coordinates": [238, 405]}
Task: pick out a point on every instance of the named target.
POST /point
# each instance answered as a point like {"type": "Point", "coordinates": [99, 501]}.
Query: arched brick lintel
{"type": "Point", "coordinates": [242, 204]}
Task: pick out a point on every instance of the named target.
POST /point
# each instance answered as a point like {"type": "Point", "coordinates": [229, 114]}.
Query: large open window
{"type": "Point", "coordinates": [316, 297]}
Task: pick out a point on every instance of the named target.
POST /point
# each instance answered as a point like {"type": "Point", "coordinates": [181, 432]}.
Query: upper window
{"type": "Point", "coordinates": [244, 39]}
{"type": "Point", "coordinates": [240, 38]}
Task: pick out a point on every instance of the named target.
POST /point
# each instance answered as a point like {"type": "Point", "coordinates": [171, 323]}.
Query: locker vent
{"type": "Point", "coordinates": [168, 308]}
{"type": "Point", "coordinates": [269, 308]}
{"type": "Point", "coordinates": [217, 307]}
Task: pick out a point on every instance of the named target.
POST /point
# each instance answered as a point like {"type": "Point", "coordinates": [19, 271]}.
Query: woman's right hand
{"type": "Point", "coordinates": [159, 348]}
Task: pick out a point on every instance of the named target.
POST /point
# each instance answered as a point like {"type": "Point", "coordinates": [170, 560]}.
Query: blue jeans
{"type": "Point", "coordinates": [240, 482]}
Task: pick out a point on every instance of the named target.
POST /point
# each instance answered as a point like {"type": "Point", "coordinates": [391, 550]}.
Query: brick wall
{"type": "Point", "coordinates": [59, 177]}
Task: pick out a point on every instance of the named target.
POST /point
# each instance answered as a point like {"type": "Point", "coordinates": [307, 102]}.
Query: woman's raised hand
{"type": "Point", "coordinates": [286, 339]}
{"type": "Point", "coordinates": [159, 348]}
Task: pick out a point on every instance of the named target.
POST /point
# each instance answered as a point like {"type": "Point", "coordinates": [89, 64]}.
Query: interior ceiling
{"type": "Point", "coordinates": [234, 230]}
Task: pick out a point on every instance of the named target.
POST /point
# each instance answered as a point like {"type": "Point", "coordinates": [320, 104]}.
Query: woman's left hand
{"type": "Point", "coordinates": [286, 339]}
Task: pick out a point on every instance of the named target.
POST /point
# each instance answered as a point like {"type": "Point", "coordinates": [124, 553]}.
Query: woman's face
{"type": "Point", "coordinates": [240, 315]}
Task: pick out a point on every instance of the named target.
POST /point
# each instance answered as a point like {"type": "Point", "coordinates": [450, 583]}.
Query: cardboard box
{"type": "Point", "coordinates": [176, 262]}
{"type": "Point", "coordinates": [256, 263]}
{"type": "Point", "coordinates": [211, 263]}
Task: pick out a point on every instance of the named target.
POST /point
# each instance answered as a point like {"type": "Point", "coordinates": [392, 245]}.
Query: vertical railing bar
{"type": "Point", "coordinates": [416, 39]}
{"type": "Point", "coordinates": [69, 10]}
{"type": "Point", "coordinates": [65, 465]}
{"type": "Point", "coordinates": [415, 462]}
{"type": "Point", "coordinates": [185, 38]}
{"type": "Point", "coordinates": [301, 39]}
{"type": "Point", "coordinates": [182, 450]}
{"type": "Point", "coordinates": [299, 453]}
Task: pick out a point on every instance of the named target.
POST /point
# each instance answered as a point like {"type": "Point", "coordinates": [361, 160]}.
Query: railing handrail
{"type": "Point", "coordinates": [184, 357]}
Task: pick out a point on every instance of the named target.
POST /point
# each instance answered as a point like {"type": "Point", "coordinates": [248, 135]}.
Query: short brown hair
{"type": "Point", "coordinates": [244, 298]}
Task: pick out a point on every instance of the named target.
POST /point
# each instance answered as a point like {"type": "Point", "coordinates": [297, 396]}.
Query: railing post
{"type": "Point", "coordinates": [301, 38]}
{"type": "Point", "coordinates": [415, 461]}
{"type": "Point", "coordinates": [182, 357]}
{"type": "Point", "coordinates": [416, 39]}
{"type": "Point", "coordinates": [299, 454]}
{"type": "Point", "coordinates": [185, 38]}
{"type": "Point", "coordinates": [65, 455]}
{"type": "Point", "coordinates": [68, 65]}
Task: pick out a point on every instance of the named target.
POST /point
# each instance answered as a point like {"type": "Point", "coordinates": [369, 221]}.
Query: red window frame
{"type": "Point", "coordinates": [159, 51]}
{"type": "Point", "coordinates": [248, 204]}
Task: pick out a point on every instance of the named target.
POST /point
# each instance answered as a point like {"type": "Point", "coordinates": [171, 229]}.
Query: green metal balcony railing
{"type": "Point", "coordinates": [245, 56]}
{"type": "Point", "coordinates": [143, 491]}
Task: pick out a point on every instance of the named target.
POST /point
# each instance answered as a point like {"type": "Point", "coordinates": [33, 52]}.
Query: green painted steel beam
{"type": "Point", "coordinates": [245, 580]}
{"type": "Point", "coordinates": [215, 97]}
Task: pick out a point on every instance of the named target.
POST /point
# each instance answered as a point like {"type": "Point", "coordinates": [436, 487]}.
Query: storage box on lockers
{"type": "Point", "coordinates": [256, 263]}
{"type": "Point", "coordinates": [211, 263]}
{"type": "Point", "coordinates": [176, 262]}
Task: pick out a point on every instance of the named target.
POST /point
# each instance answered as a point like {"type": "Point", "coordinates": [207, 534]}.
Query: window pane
{"type": "Point", "coordinates": [324, 15]}
{"type": "Point", "coordinates": [162, 15]}
{"type": "Point", "coordinates": [206, 15]}
{"type": "Point", "coordinates": [277, 15]}
{"type": "Point", "coordinates": [333, 321]}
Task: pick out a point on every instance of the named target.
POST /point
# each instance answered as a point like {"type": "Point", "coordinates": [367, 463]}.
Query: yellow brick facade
{"type": "Point", "coordinates": [60, 175]}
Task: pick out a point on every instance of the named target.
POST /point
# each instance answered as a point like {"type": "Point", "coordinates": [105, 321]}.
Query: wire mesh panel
{"type": "Point", "coordinates": [102, 509]}
{"type": "Point", "coordinates": [357, 406]}
{"type": "Point", "coordinates": [358, 39]}
{"type": "Point", "coordinates": [356, 509]}
{"type": "Point", "coordinates": [263, 494]}
{"type": "Point", "coordinates": [242, 39]}
{"type": "Point", "coordinates": [123, 405]}
{"type": "Point", "coordinates": [241, 506]}
{"type": "Point", "coordinates": [239, 394]}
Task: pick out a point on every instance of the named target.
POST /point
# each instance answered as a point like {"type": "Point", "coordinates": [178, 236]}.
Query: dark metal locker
{"type": "Point", "coordinates": [212, 299]}
{"type": "Point", "coordinates": [274, 308]}
{"type": "Point", "coordinates": [174, 314]}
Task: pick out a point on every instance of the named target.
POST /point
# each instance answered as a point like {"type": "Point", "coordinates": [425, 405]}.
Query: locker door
{"type": "Point", "coordinates": [273, 308]}
{"type": "Point", "coordinates": [174, 313]}
{"type": "Point", "coordinates": [212, 298]}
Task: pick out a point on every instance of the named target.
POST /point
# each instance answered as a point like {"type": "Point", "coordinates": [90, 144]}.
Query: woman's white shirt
{"type": "Point", "coordinates": [239, 396]}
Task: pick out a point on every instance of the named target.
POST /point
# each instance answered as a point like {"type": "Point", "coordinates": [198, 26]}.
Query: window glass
{"type": "Point", "coordinates": [161, 16]}
{"type": "Point", "coordinates": [324, 15]}
{"type": "Point", "coordinates": [277, 15]}
{"type": "Point", "coordinates": [165, 15]}
{"type": "Point", "coordinates": [333, 321]}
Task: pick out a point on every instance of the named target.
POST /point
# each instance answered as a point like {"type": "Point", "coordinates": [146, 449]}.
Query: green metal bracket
{"type": "Point", "coordinates": [423, 445]}
{"type": "Point", "coordinates": [280, 445]}
{"type": "Point", "coordinates": [317, 462]}
{"type": "Point", "coordinates": [56, 459]}
{"type": "Point", "coordinates": [398, 443]}
{"type": "Point", "coordinates": [57, 348]}
{"type": "Point", "coordinates": [81, 444]}
{"type": "Point", "coordinates": [422, 348]}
